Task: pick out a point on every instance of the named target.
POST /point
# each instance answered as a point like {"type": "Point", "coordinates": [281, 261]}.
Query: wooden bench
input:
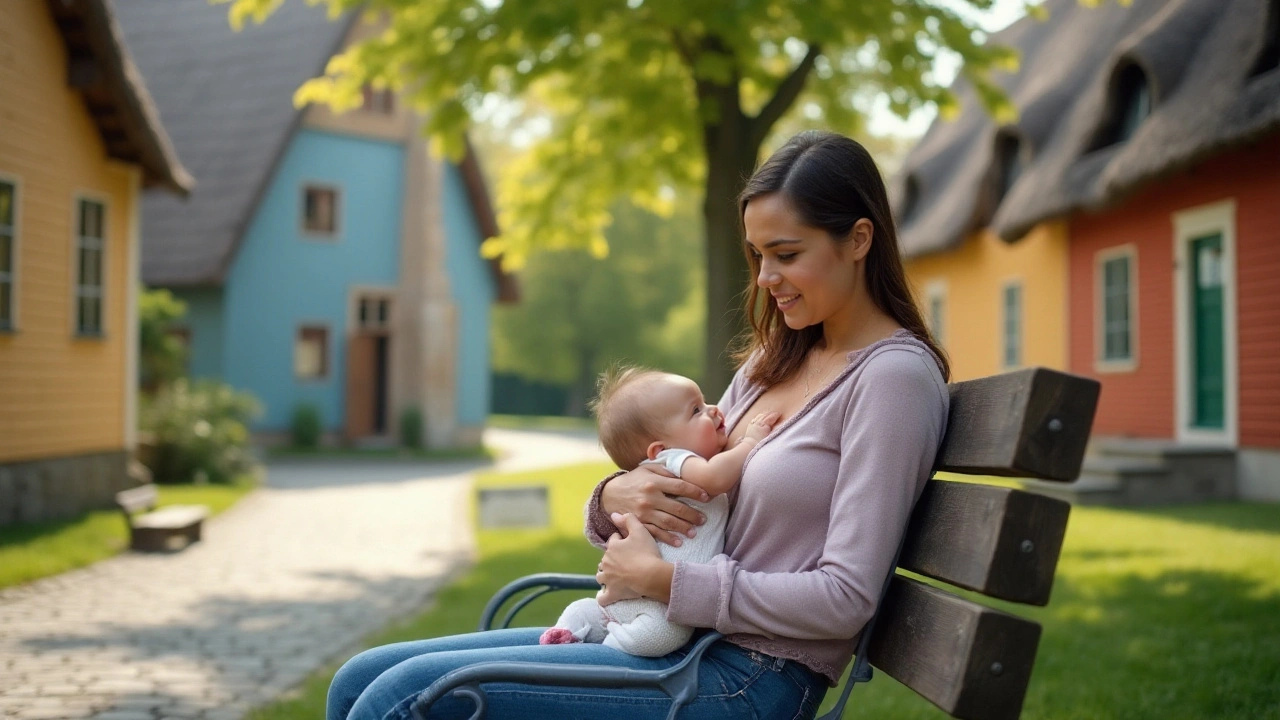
{"type": "Point", "coordinates": [158, 529]}
{"type": "Point", "coordinates": [972, 661]}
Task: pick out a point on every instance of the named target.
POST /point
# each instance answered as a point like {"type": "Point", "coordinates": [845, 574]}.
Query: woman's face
{"type": "Point", "coordinates": [809, 276]}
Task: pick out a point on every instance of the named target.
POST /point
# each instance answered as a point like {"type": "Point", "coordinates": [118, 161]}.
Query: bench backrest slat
{"type": "Point", "coordinates": [1029, 423]}
{"type": "Point", "coordinates": [970, 660]}
{"type": "Point", "coordinates": [998, 541]}
{"type": "Point", "coordinates": [137, 499]}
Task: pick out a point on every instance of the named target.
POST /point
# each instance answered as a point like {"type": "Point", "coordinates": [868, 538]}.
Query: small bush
{"type": "Point", "coordinates": [305, 426]}
{"type": "Point", "coordinates": [411, 428]}
{"type": "Point", "coordinates": [199, 432]}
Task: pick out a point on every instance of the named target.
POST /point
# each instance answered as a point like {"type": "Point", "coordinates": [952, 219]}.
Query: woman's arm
{"type": "Point", "coordinates": [651, 497]}
{"type": "Point", "coordinates": [894, 424]}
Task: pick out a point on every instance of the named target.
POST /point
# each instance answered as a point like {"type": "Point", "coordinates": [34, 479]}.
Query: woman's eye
{"type": "Point", "coordinates": [786, 257]}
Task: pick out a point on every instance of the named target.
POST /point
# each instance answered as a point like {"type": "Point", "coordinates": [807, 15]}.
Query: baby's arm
{"type": "Point", "coordinates": [720, 472]}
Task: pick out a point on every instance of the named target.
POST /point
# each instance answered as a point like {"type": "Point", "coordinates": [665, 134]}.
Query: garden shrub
{"type": "Point", "coordinates": [411, 428]}
{"type": "Point", "coordinates": [198, 432]}
{"type": "Point", "coordinates": [305, 426]}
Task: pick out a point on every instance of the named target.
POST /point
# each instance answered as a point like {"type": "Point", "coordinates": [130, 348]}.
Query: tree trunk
{"type": "Point", "coordinates": [731, 157]}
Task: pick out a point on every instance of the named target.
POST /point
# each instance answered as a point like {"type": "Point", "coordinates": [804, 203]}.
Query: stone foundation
{"type": "Point", "coordinates": [61, 488]}
{"type": "Point", "coordinates": [1259, 470]}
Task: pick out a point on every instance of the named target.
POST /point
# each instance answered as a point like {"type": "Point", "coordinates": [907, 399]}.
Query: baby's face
{"type": "Point", "coordinates": [688, 421]}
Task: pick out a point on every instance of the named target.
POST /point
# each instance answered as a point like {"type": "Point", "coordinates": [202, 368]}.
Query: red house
{"type": "Point", "coordinates": [1152, 132]}
{"type": "Point", "coordinates": [1167, 164]}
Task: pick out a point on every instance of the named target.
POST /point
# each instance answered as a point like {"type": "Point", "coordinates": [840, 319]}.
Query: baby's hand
{"type": "Point", "coordinates": [760, 425]}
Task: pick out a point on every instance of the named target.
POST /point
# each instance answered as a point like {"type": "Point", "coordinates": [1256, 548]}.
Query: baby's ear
{"type": "Point", "coordinates": [655, 447]}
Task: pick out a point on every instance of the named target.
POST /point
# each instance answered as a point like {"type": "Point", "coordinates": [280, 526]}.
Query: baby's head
{"type": "Point", "coordinates": [642, 412]}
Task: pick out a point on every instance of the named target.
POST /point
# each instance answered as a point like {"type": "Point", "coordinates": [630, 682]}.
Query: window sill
{"type": "Point", "coordinates": [1115, 366]}
{"type": "Point", "coordinates": [94, 336]}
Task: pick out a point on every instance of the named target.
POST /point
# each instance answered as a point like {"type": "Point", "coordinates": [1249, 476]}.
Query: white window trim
{"type": "Point", "coordinates": [1219, 217]}
{"type": "Point", "coordinates": [1100, 259]}
{"type": "Point", "coordinates": [936, 289]}
{"type": "Point", "coordinates": [107, 213]}
{"type": "Point", "coordinates": [1022, 323]}
{"type": "Point", "coordinates": [329, 368]}
{"type": "Point", "coordinates": [339, 214]}
{"type": "Point", "coordinates": [16, 248]}
{"type": "Point", "coordinates": [356, 293]}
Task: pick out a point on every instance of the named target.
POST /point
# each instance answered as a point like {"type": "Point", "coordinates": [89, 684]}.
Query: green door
{"type": "Point", "coordinates": [1208, 376]}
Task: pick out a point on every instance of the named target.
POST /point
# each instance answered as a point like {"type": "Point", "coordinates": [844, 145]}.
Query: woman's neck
{"type": "Point", "coordinates": [866, 328]}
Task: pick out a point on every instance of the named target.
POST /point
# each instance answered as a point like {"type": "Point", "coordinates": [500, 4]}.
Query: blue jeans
{"type": "Point", "coordinates": [733, 682]}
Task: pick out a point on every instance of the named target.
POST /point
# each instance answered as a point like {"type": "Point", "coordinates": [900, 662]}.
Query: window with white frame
{"type": "Point", "coordinates": [374, 313]}
{"type": "Point", "coordinates": [8, 252]}
{"type": "Point", "coordinates": [90, 251]}
{"type": "Point", "coordinates": [311, 352]}
{"type": "Point", "coordinates": [320, 210]}
{"type": "Point", "coordinates": [1012, 325]}
{"type": "Point", "coordinates": [936, 309]}
{"type": "Point", "coordinates": [1116, 306]}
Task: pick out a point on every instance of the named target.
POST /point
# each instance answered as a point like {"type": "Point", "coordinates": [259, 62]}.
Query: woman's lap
{"type": "Point", "coordinates": [733, 682]}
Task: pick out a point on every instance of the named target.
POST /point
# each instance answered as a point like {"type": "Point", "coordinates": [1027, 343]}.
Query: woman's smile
{"type": "Point", "coordinates": [786, 302]}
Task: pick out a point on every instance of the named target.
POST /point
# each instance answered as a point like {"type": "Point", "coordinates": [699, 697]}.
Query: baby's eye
{"type": "Point", "coordinates": [697, 409]}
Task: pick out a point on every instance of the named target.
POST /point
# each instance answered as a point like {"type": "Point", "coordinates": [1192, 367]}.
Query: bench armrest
{"type": "Point", "coordinates": [679, 682]}
{"type": "Point", "coordinates": [542, 584]}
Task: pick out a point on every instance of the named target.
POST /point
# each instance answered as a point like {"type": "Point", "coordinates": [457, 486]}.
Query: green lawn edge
{"type": "Point", "coordinates": [32, 551]}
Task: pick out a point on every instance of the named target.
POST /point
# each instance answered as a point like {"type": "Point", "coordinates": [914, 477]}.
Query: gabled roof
{"type": "Point", "coordinates": [1198, 57]}
{"type": "Point", "coordinates": [100, 68]}
{"type": "Point", "coordinates": [227, 99]}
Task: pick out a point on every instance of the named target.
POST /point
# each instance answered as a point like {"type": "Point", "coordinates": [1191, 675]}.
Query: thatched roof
{"type": "Point", "coordinates": [227, 97]}
{"type": "Point", "coordinates": [1200, 60]}
{"type": "Point", "coordinates": [100, 68]}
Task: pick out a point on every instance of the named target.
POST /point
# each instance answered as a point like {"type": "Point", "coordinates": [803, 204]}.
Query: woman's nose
{"type": "Point", "coordinates": [766, 277]}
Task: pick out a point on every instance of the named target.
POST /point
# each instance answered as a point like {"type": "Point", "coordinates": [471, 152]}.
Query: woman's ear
{"type": "Point", "coordinates": [860, 238]}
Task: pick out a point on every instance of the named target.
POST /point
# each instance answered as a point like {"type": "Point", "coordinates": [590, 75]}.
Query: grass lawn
{"type": "Point", "coordinates": [479, 452]}
{"type": "Point", "coordinates": [1164, 613]}
{"type": "Point", "coordinates": [541, 422]}
{"type": "Point", "coordinates": [28, 552]}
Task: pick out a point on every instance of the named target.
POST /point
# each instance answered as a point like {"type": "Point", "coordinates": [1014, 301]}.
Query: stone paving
{"type": "Point", "coordinates": [288, 580]}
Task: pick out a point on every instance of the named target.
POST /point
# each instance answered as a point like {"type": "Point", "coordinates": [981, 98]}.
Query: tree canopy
{"type": "Point", "coordinates": [643, 96]}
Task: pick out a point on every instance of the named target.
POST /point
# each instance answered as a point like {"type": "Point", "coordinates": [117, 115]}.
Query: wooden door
{"type": "Point", "coordinates": [361, 384]}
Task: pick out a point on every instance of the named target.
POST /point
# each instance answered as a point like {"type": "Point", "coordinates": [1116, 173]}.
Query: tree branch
{"type": "Point", "coordinates": [786, 94]}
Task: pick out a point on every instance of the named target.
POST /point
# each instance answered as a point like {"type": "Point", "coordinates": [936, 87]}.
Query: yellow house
{"type": "Point", "coordinates": [997, 306]}
{"type": "Point", "coordinates": [996, 297]}
{"type": "Point", "coordinates": [79, 138]}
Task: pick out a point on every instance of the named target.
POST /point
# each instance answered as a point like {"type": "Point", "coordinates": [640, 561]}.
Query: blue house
{"type": "Point", "coordinates": [325, 259]}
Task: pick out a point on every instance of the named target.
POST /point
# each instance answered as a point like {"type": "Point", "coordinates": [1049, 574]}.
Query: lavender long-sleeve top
{"type": "Point", "coordinates": [822, 505]}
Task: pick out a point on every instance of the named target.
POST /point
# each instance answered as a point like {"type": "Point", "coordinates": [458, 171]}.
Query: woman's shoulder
{"type": "Point", "coordinates": [898, 363]}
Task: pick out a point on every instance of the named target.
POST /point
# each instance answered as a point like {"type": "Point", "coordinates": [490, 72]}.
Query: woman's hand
{"type": "Point", "coordinates": [650, 496]}
{"type": "Point", "coordinates": [631, 566]}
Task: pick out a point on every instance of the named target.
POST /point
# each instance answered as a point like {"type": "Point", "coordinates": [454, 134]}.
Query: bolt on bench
{"type": "Point", "coordinates": [972, 661]}
{"type": "Point", "coordinates": [158, 529]}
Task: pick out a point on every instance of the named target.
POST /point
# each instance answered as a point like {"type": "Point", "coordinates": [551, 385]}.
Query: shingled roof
{"type": "Point", "coordinates": [1200, 60]}
{"type": "Point", "coordinates": [100, 67]}
{"type": "Point", "coordinates": [227, 99]}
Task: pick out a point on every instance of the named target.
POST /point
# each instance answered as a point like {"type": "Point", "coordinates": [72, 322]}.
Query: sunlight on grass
{"type": "Point", "coordinates": [32, 551]}
{"type": "Point", "coordinates": [1161, 613]}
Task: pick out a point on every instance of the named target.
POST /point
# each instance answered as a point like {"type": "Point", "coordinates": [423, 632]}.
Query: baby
{"type": "Point", "coordinates": [650, 417]}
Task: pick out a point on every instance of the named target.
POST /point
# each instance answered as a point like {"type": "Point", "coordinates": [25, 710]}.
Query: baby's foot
{"type": "Point", "coordinates": [557, 636]}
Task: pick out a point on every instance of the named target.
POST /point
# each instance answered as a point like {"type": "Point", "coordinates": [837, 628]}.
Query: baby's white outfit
{"type": "Point", "coordinates": [640, 626]}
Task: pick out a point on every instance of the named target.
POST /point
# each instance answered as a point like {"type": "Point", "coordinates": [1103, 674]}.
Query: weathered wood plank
{"type": "Point", "coordinates": [1029, 423]}
{"type": "Point", "coordinates": [998, 541]}
{"type": "Point", "coordinates": [139, 498]}
{"type": "Point", "coordinates": [972, 661]}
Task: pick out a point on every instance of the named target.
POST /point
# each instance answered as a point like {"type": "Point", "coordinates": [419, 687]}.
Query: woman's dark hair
{"type": "Point", "coordinates": [831, 182]}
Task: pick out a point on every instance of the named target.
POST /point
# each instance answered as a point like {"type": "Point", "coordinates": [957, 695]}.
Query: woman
{"type": "Point", "coordinates": [840, 351]}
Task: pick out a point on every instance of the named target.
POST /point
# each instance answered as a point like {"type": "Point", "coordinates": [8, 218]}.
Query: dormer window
{"type": "Point", "coordinates": [1131, 104]}
{"type": "Point", "coordinates": [1008, 163]}
{"type": "Point", "coordinates": [910, 198]}
{"type": "Point", "coordinates": [1269, 58]}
